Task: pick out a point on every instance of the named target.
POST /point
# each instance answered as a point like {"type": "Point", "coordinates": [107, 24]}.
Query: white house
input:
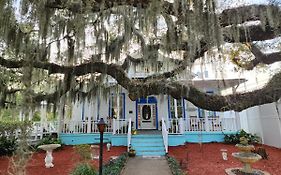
{"type": "Point", "coordinates": [159, 120]}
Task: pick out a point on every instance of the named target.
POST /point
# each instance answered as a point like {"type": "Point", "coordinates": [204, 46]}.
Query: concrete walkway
{"type": "Point", "coordinates": [147, 166]}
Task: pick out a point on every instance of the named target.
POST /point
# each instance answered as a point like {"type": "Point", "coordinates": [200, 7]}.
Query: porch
{"type": "Point", "coordinates": [179, 130]}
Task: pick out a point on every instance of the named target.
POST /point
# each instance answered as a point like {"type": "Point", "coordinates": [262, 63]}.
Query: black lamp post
{"type": "Point", "coordinates": [101, 126]}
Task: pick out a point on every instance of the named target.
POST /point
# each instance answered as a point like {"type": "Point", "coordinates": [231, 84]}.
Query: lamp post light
{"type": "Point", "coordinates": [101, 126]}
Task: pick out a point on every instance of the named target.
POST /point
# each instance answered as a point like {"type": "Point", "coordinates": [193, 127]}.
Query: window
{"type": "Point", "coordinates": [117, 106]}
{"type": "Point", "coordinates": [176, 107]}
{"type": "Point", "coordinates": [206, 74]}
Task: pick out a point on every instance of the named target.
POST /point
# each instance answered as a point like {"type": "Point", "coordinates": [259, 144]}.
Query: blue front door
{"type": "Point", "coordinates": [147, 113]}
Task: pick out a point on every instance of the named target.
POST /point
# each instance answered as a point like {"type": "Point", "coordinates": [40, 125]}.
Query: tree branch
{"type": "Point", "coordinates": [260, 58]}
{"type": "Point", "coordinates": [250, 33]}
{"type": "Point", "coordinates": [238, 102]}
{"type": "Point", "coordinates": [246, 13]}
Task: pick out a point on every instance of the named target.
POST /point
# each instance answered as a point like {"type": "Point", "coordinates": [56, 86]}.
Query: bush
{"type": "Point", "coordinates": [235, 138]}
{"type": "Point", "coordinates": [84, 151]}
{"type": "Point", "coordinates": [175, 167]}
{"type": "Point", "coordinates": [8, 141]}
{"type": "Point", "coordinates": [84, 169]}
{"type": "Point", "coordinates": [7, 146]}
{"type": "Point", "coordinates": [114, 167]}
{"type": "Point", "coordinates": [8, 128]}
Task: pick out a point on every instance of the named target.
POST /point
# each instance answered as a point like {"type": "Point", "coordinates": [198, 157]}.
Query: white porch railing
{"type": "Point", "coordinates": [39, 129]}
{"type": "Point", "coordinates": [195, 124]}
{"type": "Point", "coordinates": [165, 135]}
{"type": "Point", "coordinates": [83, 127]}
{"type": "Point", "coordinates": [115, 126]}
{"type": "Point", "coordinates": [129, 135]}
{"type": "Point", "coordinates": [178, 126]}
{"type": "Point", "coordinates": [120, 126]}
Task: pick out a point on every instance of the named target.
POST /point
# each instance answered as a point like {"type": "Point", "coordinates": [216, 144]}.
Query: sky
{"type": "Point", "coordinates": [232, 3]}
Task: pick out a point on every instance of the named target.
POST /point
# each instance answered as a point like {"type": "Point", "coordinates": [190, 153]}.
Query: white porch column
{"type": "Point", "coordinates": [176, 117]}
{"type": "Point", "coordinates": [21, 115]}
{"type": "Point", "coordinates": [30, 115]}
{"type": "Point", "coordinates": [118, 110]}
{"type": "Point", "coordinates": [176, 109]}
{"type": "Point", "coordinates": [88, 125]}
{"type": "Point", "coordinates": [114, 126]}
{"type": "Point", "coordinates": [187, 117]}
{"type": "Point", "coordinates": [61, 116]}
{"type": "Point", "coordinates": [206, 122]}
{"type": "Point", "coordinates": [118, 105]}
{"type": "Point", "coordinates": [181, 127]}
{"type": "Point", "coordinates": [43, 117]}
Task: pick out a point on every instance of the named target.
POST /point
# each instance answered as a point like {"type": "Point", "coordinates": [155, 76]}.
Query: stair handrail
{"type": "Point", "coordinates": [165, 135]}
{"type": "Point", "coordinates": [129, 135]}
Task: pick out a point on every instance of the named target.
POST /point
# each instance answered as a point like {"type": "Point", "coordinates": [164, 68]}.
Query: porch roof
{"type": "Point", "coordinates": [219, 84]}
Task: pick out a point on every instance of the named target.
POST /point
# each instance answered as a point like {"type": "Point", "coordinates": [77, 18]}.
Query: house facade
{"type": "Point", "coordinates": [157, 117]}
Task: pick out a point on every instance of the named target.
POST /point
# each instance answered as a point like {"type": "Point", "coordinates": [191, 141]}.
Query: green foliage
{"type": "Point", "coordinates": [236, 138]}
{"type": "Point", "coordinates": [84, 151]}
{"type": "Point", "coordinates": [7, 146]}
{"type": "Point", "coordinates": [36, 117]}
{"type": "Point", "coordinates": [114, 167]}
{"type": "Point", "coordinates": [84, 169]}
{"type": "Point", "coordinates": [175, 167]}
{"type": "Point", "coordinates": [8, 141]}
{"type": "Point", "coordinates": [6, 114]}
{"type": "Point", "coordinates": [8, 128]}
{"type": "Point", "coordinates": [49, 140]}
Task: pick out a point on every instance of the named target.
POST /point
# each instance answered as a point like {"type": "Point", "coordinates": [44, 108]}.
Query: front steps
{"type": "Point", "coordinates": [148, 145]}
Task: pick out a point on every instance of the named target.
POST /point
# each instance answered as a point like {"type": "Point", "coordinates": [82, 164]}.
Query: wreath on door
{"type": "Point", "coordinates": [146, 112]}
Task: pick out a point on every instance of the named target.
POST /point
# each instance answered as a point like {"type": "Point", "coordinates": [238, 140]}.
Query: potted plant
{"type": "Point", "coordinates": [134, 132]}
{"type": "Point", "coordinates": [132, 152]}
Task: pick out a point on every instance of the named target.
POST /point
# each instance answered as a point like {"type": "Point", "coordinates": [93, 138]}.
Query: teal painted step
{"type": "Point", "coordinates": [146, 142]}
{"type": "Point", "coordinates": [150, 153]}
{"type": "Point", "coordinates": [149, 148]}
{"type": "Point", "coordinates": [148, 145]}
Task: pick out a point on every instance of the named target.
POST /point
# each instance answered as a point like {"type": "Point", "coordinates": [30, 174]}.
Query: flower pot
{"type": "Point", "coordinates": [132, 153]}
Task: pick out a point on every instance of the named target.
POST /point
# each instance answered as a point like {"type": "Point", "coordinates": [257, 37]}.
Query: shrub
{"type": "Point", "coordinates": [175, 167]}
{"type": "Point", "coordinates": [8, 141]}
{"type": "Point", "coordinates": [84, 151]}
{"type": "Point", "coordinates": [84, 169]}
{"type": "Point", "coordinates": [9, 128]}
{"type": "Point", "coordinates": [114, 167]}
{"type": "Point", "coordinates": [235, 138]}
{"type": "Point", "coordinates": [7, 146]}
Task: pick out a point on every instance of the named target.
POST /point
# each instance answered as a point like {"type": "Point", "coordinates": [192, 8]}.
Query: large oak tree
{"type": "Point", "coordinates": [55, 48]}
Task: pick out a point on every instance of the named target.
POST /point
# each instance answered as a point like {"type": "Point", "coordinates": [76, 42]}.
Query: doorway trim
{"type": "Point", "coordinates": [148, 100]}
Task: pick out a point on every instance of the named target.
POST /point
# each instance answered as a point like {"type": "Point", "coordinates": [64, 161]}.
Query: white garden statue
{"type": "Point", "coordinates": [49, 150]}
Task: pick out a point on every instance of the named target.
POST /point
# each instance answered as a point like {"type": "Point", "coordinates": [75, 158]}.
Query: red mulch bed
{"type": "Point", "coordinates": [207, 159]}
{"type": "Point", "coordinates": [65, 160]}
